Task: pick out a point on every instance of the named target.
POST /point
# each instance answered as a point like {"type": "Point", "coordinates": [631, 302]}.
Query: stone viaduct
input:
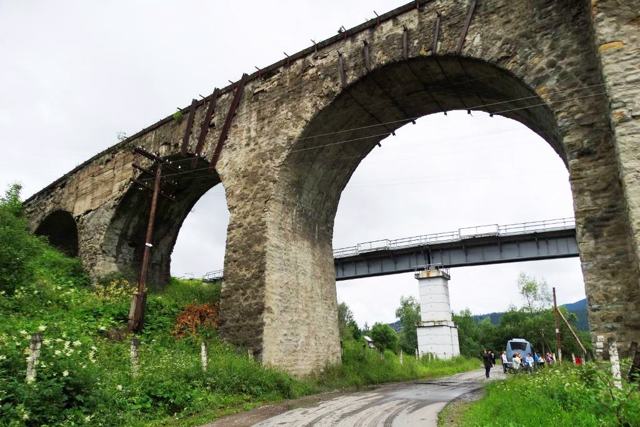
{"type": "Point", "coordinates": [569, 70]}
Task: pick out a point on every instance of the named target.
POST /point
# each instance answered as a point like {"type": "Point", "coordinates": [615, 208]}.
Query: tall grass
{"type": "Point", "coordinates": [557, 396]}
{"type": "Point", "coordinates": [363, 366]}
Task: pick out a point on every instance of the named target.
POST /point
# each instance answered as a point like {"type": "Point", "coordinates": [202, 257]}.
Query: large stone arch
{"type": "Point", "coordinates": [124, 237]}
{"type": "Point", "coordinates": [60, 229]}
{"type": "Point", "coordinates": [552, 89]}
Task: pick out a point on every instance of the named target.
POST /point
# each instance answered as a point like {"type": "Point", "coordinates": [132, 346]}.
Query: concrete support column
{"type": "Point", "coordinates": [437, 334]}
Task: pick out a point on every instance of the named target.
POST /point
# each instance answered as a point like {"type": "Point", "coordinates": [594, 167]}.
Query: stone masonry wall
{"type": "Point", "coordinates": [286, 163]}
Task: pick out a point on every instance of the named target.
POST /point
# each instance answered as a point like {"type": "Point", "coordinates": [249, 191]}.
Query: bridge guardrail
{"type": "Point", "coordinates": [453, 236]}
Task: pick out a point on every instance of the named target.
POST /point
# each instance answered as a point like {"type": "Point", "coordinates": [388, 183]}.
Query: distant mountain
{"type": "Point", "coordinates": [578, 307]}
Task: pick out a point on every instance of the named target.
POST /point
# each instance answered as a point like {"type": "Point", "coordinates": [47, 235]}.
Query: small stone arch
{"type": "Point", "coordinates": [60, 229]}
{"type": "Point", "coordinates": [124, 238]}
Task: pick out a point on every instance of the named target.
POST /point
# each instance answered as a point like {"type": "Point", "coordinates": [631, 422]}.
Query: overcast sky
{"type": "Point", "coordinates": [73, 74]}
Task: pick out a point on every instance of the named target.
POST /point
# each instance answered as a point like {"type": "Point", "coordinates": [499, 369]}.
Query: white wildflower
{"type": "Point", "coordinates": [77, 343]}
{"type": "Point", "coordinates": [65, 373]}
{"type": "Point", "coordinates": [42, 328]}
{"type": "Point", "coordinates": [119, 387]}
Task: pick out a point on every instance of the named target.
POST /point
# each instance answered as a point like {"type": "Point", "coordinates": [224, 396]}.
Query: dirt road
{"type": "Point", "coordinates": [407, 404]}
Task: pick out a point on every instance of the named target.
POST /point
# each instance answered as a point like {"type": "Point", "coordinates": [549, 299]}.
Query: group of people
{"type": "Point", "coordinates": [518, 362]}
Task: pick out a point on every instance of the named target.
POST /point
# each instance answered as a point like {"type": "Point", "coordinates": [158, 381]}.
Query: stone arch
{"type": "Point", "coordinates": [60, 228]}
{"type": "Point", "coordinates": [124, 238]}
{"type": "Point", "coordinates": [320, 161]}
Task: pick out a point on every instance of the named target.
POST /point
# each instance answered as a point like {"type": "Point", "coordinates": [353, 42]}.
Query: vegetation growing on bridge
{"type": "Point", "coordinates": [84, 375]}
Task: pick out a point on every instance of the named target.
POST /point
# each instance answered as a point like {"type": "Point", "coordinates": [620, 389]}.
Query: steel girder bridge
{"type": "Point", "coordinates": [480, 245]}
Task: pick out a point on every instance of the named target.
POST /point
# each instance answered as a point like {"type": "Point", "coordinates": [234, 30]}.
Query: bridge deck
{"type": "Point", "coordinates": [488, 244]}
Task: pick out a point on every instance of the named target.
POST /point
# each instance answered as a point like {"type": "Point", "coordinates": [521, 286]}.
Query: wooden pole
{"type": "Point", "coordinates": [566, 322]}
{"type": "Point", "coordinates": [557, 321]}
{"type": "Point", "coordinates": [136, 312]}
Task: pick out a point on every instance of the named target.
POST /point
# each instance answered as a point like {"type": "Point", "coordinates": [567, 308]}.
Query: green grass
{"type": "Point", "coordinates": [84, 375]}
{"type": "Point", "coordinates": [558, 396]}
{"type": "Point", "coordinates": [362, 366]}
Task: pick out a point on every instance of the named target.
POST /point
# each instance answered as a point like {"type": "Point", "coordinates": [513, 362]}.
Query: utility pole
{"type": "Point", "coordinates": [136, 311]}
{"type": "Point", "coordinates": [557, 320]}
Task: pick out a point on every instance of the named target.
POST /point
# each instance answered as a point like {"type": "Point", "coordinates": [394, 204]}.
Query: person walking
{"type": "Point", "coordinates": [487, 359]}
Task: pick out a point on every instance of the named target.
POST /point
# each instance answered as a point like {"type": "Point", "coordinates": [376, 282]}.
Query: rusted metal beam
{"type": "Point", "coordinates": [163, 193]}
{"type": "Point", "coordinates": [224, 133]}
{"type": "Point", "coordinates": [206, 124]}
{"type": "Point", "coordinates": [341, 71]}
{"type": "Point", "coordinates": [151, 156]}
{"type": "Point", "coordinates": [436, 35]}
{"type": "Point", "coordinates": [187, 130]}
{"type": "Point", "coordinates": [366, 52]}
{"type": "Point", "coordinates": [467, 22]}
{"type": "Point", "coordinates": [405, 43]}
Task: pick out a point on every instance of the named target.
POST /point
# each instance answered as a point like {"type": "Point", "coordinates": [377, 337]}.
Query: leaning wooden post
{"type": "Point", "coordinates": [34, 355]}
{"type": "Point", "coordinates": [203, 355]}
{"type": "Point", "coordinates": [135, 356]}
{"type": "Point", "coordinates": [615, 363]}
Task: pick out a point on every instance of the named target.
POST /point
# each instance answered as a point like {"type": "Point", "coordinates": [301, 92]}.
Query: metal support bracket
{"type": "Point", "coordinates": [187, 130]}
{"type": "Point", "coordinates": [224, 133]}
{"type": "Point", "coordinates": [436, 35]}
{"type": "Point", "coordinates": [204, 127]}
{"type": "Point", "coordinates": [467, 22]}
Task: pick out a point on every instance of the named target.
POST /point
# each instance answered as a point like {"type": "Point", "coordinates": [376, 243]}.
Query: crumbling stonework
{"type": "Point", "coordinates": [565, 69]}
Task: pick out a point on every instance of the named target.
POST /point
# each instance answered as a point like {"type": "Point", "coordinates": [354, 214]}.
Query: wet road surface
{"type": "Point", "coordinates": [408, 404]}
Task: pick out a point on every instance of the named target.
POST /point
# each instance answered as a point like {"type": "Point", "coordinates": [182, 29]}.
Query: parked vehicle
{"type": "Point", "coordinates": [517, 345]}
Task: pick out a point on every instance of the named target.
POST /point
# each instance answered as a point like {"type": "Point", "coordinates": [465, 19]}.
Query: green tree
{"type": "Point", "coordinates": [346, 323]}
{"type": "Point", "coordinates": [409, 315]}
{"type": "Point", "coordinates": [384, 337]}
{"type": "Point", "coordinates": [535, 293]}
{"type": "Point", "coordinates": [17, 245]}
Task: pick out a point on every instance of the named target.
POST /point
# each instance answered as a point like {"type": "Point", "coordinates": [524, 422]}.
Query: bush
{"type": "Point", "coordinates": [17, 245]}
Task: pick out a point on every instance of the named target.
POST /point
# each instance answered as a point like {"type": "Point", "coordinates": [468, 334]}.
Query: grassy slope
{"type": "Point", "coordinates": [84, 374]}
{"type": "Point", "coordinates": [567, 395]}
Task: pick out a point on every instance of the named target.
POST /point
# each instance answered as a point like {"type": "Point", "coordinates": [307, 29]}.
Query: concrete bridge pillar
{"type": "Point", "coordinates": [437, 334]}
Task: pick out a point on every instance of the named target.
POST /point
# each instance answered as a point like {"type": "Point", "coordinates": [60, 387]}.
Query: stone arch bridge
{"type": "Point", "coordinates": [284, 141]}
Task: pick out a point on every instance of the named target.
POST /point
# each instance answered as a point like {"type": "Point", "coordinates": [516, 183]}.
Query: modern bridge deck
{"type": "Point", "coordinates": [480, 250]}
{"type": "Point", "coordinates": [482, 245]}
